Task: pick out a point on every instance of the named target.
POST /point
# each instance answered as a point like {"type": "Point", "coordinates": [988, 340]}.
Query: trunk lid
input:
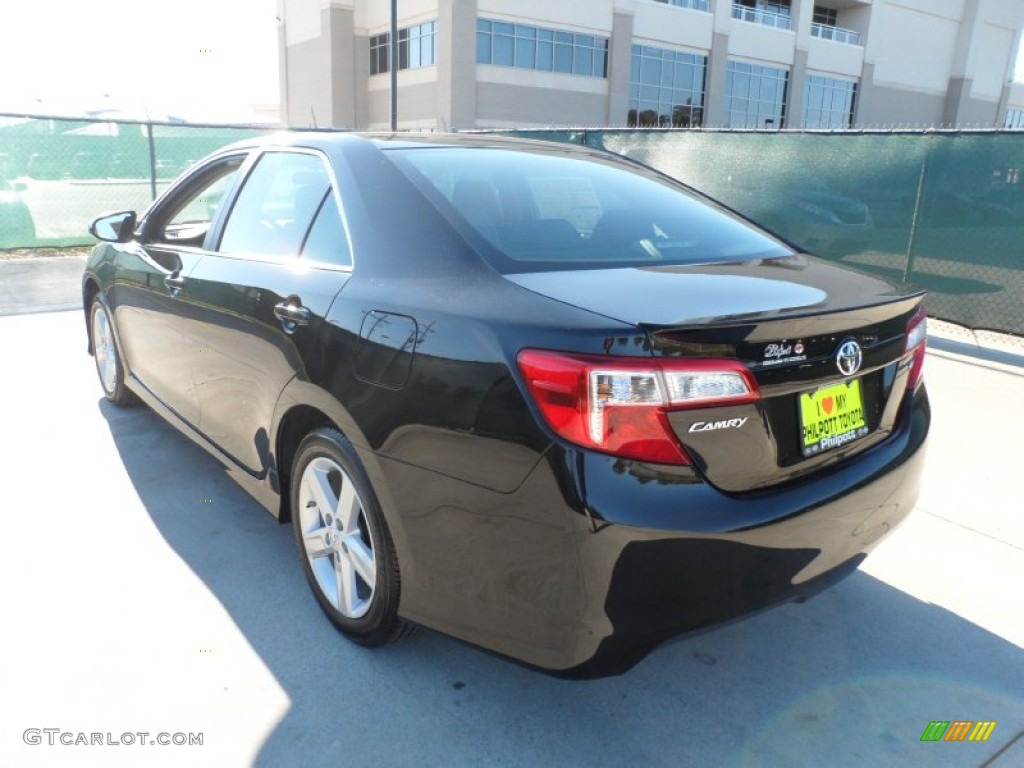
{"type": "Point", "coordinates": [787, 320]}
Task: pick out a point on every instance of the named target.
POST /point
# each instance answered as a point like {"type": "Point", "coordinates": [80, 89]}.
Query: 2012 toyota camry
{"type": "Point", "coordinates": [540, 398]}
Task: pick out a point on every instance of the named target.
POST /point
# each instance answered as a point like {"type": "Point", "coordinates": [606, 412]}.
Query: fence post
{"type": "Point", "coordinates": [152, 161]}
{"type": "Point", "coordinates": [917, 214]}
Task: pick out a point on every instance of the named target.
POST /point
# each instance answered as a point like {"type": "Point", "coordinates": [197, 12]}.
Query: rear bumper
{"type": "Point", "coordinates": [594, 561]}
{"type": "Point", "coordinates": [720, 556]}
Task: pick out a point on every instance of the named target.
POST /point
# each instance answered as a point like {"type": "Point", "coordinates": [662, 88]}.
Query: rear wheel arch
{"type": "Point", "coordinates": [297, 422]}
{"type": "Point", "coordinates": [304, 407]}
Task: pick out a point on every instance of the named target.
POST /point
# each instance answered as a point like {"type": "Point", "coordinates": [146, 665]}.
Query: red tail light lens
{"type": "Point", "coordinates": [915, 345]}
{"type": "Point", "coordinates": [619, 405]}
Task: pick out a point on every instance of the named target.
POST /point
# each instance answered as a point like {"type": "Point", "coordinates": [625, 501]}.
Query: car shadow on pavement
{"type": "Point", "coordinates": [853, 676]}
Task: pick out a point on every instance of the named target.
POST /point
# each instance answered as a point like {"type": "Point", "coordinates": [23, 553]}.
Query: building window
{"type": "Point", "coordinates": [548, 50]}
{"type": "Point", "coordinates": [828, 102]}
{"type": "Point", "coordinates": [756, 95]}
{"type": "Point", "coordinates": [697, 5]}
{"type": "Point", "coordinates": [1014, 119]}
{"type": "Point", "coordinates": [417, 47]}
{"type": "Point", "coordinates": [771, 13]}
{"type": "Point", "coordinates": [379, 54]}
{"type": "Point", "coordinates": [666, 88]}
{"type": "Point", "coordinates": [824, 24]}
{"type": "Point", "coordinates": [826, 16]}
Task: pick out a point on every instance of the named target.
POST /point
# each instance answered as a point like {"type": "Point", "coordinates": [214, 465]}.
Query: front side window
{"type": "Point", "coordinates": [542, 210]}
{"type": "Point", "coordinates": [666, 88]}
{"type": "Point", "coordinates": [276, 205]}
{"type": "Point", "coordinates": [756, 95]}
{"type": "Point", "coordinates": [828, 102]}
{"type": "Point", "coordinates": [185, 219]}
{"type": "Point", "coordinates": [523, 46]}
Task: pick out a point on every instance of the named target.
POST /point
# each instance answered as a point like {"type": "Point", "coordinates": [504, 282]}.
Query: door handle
{"type": "Point", "coordinates": [174, 282]}
{"type": "Point", "coordinates": [292, 314]}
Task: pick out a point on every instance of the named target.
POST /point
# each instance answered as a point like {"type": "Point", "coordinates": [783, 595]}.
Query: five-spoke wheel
{"type": "Point", "coordinates": [346, 549]}
{"type": "Point", "coordinates": [337, 538]}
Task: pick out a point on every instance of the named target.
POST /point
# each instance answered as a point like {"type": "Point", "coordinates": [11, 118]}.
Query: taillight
{"type": "Point", "coordinates": [619, 405]}
{"type": "Point", "coordinates": [915, 345]}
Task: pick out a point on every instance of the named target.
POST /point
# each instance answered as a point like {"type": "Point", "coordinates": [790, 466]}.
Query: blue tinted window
{"type": "Point", "coordinates": [548, 50]}
{"type": "Point", "coordinates": [417, 47]}
{"type": "Point", "coordinates": [828, 102]}
{"type": "Point", "coordinates": [666, 88]}
{"type": "Point", "coordinates": [756, 95]}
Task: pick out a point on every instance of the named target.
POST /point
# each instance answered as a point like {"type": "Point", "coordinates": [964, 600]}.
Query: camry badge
{"type": "Point", "coordinates": [711, 426]}
{"type": "Point", "coordinates": [849, 358]}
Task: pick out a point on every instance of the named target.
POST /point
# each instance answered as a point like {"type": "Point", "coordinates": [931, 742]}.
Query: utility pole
{"type": "Point", "coordinates": [394, 65]}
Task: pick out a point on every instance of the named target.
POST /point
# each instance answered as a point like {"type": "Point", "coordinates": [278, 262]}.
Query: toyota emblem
{"type": "Point", "coordinates": [849, 358]}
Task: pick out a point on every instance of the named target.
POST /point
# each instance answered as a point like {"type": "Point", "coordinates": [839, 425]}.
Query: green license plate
{"type": "Point", "coordinates": [831, 417]}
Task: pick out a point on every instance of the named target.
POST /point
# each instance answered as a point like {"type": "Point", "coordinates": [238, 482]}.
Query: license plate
{"type": "Point", "coordinates": [831, 417]}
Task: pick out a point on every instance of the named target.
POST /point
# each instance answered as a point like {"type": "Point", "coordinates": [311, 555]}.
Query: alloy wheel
{"type": "Point", "coordinates": [337, 538]}
{"type": "Point", "coordinates": [104, 349]}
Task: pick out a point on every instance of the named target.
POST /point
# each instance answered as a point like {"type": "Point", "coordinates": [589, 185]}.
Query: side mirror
{"type": "Point", "coordinates": [114, 227]}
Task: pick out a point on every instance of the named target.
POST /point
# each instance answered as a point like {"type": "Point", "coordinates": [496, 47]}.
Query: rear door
{"type": "Point", "coordinates": [258, 299]}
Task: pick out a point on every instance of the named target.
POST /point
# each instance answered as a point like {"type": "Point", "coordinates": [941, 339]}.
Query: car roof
{"type": "Point", "coordinates": [337, 140]}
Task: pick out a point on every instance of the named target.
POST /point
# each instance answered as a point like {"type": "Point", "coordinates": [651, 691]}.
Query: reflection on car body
{"type": "Point", "coordinates": [470, 371]}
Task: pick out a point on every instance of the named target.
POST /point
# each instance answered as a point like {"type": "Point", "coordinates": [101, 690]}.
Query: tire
{"type": "Point", "coordinates": [104, 350]}
{"type": "Point", "coordinates": [350, 564]}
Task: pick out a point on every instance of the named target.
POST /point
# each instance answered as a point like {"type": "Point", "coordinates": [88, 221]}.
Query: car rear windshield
{"type": "Point", "coordinates": [551, 210]}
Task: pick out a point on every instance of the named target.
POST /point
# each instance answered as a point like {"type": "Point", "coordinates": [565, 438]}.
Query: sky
{"type": "Point", "coordinates": [203, 60]}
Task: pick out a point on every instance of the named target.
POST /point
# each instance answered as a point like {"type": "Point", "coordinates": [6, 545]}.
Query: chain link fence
{"type": "Point", "coordinates": [944, 210]}
{"type": "Point", "coordinates": [941, 209]}
{"type": "Point", "coordinates": [57, 175]}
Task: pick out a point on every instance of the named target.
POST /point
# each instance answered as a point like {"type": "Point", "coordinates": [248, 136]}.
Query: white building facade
{"type": "Point", "coordinates": [714, 63]}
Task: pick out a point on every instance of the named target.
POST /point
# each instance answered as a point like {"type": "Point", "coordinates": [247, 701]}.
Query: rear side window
{"type": "Point", "coordinates": [326, 241]}
{"type": "Point", "coordinates": [275, 208]}
{"type": "Point", "coordinates": [545, 209]}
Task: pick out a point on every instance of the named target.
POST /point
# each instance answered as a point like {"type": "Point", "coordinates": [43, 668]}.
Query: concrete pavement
{"type": "Point", "coordinates": [144, 592]}
{"type": "Point", "coordinates": [41, 284]}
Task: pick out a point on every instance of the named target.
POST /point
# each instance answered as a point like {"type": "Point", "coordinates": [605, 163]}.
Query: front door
{"type": "Point", "coordinates": [152, 277]}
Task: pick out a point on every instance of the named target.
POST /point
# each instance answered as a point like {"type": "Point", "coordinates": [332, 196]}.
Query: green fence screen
{"type": "Point", "coordinates": [944, 210]}
{"type": "Point", "coordinates": [57, 175]}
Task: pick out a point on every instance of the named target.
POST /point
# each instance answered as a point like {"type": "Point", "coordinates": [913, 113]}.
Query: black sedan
{"type": "Point", "coordinates": [540, 398]}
